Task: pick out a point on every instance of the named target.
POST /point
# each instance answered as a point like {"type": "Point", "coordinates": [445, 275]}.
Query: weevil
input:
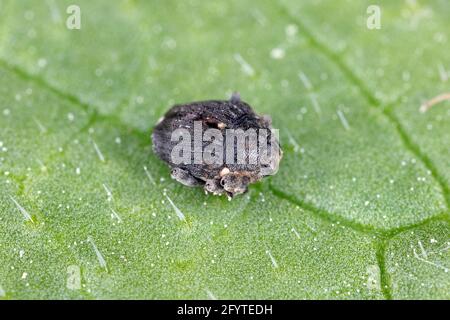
{"type": "Point", "coordinates": [215, 119]}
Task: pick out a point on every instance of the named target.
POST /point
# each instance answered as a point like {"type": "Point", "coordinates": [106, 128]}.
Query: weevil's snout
{"type": "Point", "coordinates": [235, 183]}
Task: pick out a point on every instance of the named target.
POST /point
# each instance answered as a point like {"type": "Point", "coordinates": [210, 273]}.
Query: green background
{"type": "Point", "coordinates": [358, 210]}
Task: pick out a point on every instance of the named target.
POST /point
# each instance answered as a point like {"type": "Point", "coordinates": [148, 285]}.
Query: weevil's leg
{"type": "Point", "coordinates": [213, 185]}
{"type": "Point", "coordinates": [185, 177]}
{"type": "Point", "coordinates": [235, 97]}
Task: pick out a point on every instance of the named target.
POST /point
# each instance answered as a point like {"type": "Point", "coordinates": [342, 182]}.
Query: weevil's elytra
{"type": "Point", "coordinates": [227, 174]}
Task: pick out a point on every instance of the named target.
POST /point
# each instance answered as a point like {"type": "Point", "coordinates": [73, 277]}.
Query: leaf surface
{"type": "Point", "coordinates": [359, 208]}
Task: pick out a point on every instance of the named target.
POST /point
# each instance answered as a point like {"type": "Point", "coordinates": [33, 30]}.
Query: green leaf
{"type": "Point", "coordinates": [358, 210]}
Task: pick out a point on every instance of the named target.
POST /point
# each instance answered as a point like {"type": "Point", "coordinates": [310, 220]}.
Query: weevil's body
{"type": "Point", "coordinates": [229, 178]}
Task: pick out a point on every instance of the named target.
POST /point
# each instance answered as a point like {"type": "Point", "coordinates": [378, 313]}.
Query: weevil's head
{"type": "Point", "coordinates": [235, 183]}
{"type": "Point", "coordinates": [213, 186]}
